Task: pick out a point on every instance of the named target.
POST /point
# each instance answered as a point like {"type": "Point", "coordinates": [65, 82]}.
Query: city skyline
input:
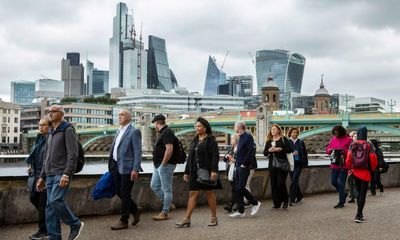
{"type": "Point", "coordinates": [358, 54]}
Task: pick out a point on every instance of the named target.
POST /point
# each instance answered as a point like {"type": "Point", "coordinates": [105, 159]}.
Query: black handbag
{"type": "Point", "coordinates": [280, 163]}
{"type": "Point", "coordinates": [337, 157]}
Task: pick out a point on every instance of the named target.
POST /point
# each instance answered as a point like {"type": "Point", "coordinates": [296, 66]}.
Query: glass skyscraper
{"type": "Point", "coordinates": [214, 78]}
{"type": "Point", "coordinates": [22, 92]}
{"type": "Point", "coordinates": [73, 76]}
{"type": "Point", "coordinates": [158, 72]}
{"type": "Point", "coordinates": [128, 59]}
{"type": "Point", "coordinates": [100, 81]}
{"type": "Point", "coordinates": [286, 68]}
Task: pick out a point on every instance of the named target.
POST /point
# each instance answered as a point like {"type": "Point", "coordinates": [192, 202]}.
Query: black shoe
{"type": "Point", "coordinates": [359, 219]}
{"type": "Point", "coordinates": [39, 236]}
{"type": "Point", "coordinates": [136, 217]}
{"type": "Point", "coordinates": [339, 205]}
{"type": "Point", "coordinates": [228, 207]}
{"type": "Point", "coordinates": [351, 200]}
{"type": "Point", "coordinates": [285, 206]}
{"type": "Point", "coordinates": [75, 231]}
{"type": "Point", "coordinates": [292, 204]}
{"type": "Point", "coordinates": [345, 196]}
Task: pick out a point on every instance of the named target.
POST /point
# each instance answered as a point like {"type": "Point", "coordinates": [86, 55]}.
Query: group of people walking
{"type": "Point", "coordinates": [53, 162]}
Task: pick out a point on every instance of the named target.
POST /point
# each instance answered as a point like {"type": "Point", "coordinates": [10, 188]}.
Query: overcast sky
{"type": "Point", "coordinates": [356, 44]}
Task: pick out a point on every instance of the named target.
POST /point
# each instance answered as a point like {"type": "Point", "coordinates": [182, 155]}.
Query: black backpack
{"type": "Point", "coordinates": [80, 161]}
{"type": "Point", "coordinates": [178, 153]}
{"type": "Point", "coordinates": [81, 158]}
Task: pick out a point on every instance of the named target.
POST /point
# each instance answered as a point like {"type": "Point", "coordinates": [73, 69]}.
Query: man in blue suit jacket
{"type": "Point", "coordinates": [124, 165]}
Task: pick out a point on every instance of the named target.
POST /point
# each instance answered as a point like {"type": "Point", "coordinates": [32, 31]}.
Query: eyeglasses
{"type": "Point", "coordinates": [54, 111]}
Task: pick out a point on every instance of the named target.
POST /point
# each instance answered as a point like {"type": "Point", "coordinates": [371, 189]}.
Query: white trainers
{"type": "Point", "coordinates": [255, 209]}
{"type": "Point", "coordinates": [237, 215]}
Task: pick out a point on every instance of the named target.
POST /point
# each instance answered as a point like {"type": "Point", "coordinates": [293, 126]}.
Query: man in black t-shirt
{"type": "Point", "coordinates": [161, 180]}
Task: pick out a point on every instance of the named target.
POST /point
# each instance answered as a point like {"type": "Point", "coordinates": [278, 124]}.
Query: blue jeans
{"type": "Point", "coordinates": [295, 193]}
{"type": "Point", "coordinates": [338, 180]}
{"type": "Point", "coordinates": [161, 184]}
{"type": "Point", "coordinates": [56, 209]}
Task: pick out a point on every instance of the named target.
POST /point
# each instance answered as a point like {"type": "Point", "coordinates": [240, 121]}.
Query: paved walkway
{"type": "Point", "coordinates": [314, 219]}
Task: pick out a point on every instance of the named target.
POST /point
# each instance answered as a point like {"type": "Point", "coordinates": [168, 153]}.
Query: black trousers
{"type": "Point", "coordinates": [39, 199]}
{"type": "Point", "coordinates": [278, 187]}
{"type": "Point", "coordinates": [362, 188]}
{"type": "Point", "coordinates": [295, 193]}
{"type": "Point", "coordinates": [240, 180]}
{"type": "Point", "coordinates": [376, 181]}
{"type": "Point", "coordinates": [123, 188]}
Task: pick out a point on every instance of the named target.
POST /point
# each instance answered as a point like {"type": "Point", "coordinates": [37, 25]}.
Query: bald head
{"type": "Point", "coordinates": [124, 117]}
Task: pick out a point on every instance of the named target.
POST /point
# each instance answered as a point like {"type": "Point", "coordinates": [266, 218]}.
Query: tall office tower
{"type": "Point", "coordinates": [89, 76]}
{"type": "Point", "coordinates": [159, 76]}
{"type": "Point", "coordinates": [128, 59]}
{"type": "Point", "coordinates": [73, 76]}
{"type": "Point", "coordinates": [100, 81]}
{"type": "Point", "coordinates": [74, 58]}
{"type": "Point", "coordinates": [22, 92]}
{"type": "Point", "coordinates": [286, 68]}
{"type": "Point", "coordinates": [214, 78]}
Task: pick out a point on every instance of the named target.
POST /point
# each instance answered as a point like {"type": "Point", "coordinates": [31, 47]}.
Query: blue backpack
{"type": "Point", "coordinates": [105, 187]}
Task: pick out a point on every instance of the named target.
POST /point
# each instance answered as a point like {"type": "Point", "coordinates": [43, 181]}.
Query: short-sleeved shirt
{"type": "Point", "coordinates": [166, 136]}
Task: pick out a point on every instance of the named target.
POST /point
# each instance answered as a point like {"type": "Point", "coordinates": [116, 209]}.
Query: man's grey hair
{"type": "Point", "coordinates": [129, 113]}
{"type": "Point", "coordinates": [241, 124]}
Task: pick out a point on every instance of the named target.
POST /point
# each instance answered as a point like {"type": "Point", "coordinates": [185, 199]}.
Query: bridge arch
{"type": "Point", "coordinates": [315, 131]}
{"type": "Point", "coordinates": [86, 144]}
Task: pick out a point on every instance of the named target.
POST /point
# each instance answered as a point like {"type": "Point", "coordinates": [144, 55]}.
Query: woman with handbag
{"type": "Point", "coordinates": [201, 171]}
{"type": "Point", "coordinates": [229, 159]}
{"type": "Point", "coordinates": [338, 148]}
{"type": "Point", "coordinates": [276, 148]}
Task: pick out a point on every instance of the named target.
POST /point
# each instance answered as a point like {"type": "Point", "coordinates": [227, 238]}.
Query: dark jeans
{"type": "Point", "coordinates": [376, 181]}
{"type": "Point", "coordinates": [295, 193]}
{"type": "Point", "coordinates": [352, 189]}
{"type": "Point", "coordinates": [39, 199]}
{"type": "Point", "coordinates": [123, 188]}
{"type": "Point", "coordinates": [362, 188]}
{"type": "Point", "coordinates": [338, 180]}
{"type": "Point", "coordinates": [278, 187]}
{"type": "Point", "coordinates": [240, 180]}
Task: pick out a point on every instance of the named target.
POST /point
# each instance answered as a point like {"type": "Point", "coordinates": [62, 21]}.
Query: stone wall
{"type": "Point", "coordinates": [15, 206]}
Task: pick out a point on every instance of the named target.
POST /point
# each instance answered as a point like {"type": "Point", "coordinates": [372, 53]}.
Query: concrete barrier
{"type": "Point", "coordinates": [16, 208]}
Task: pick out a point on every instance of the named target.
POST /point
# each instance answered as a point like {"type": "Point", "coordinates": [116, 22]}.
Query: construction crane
{"type": "Point", "coordinates": [139, 59]}
{"type": "Point", "coordinates": [223, 63]}
{"type": "Point", "coordinates": [252, 60]}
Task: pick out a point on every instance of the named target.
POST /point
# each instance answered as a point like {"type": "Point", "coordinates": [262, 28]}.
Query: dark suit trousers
{"type": "Point", "coordinates": [123, 188]}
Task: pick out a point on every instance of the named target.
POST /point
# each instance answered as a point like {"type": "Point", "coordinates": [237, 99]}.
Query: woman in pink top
{"type": "Point", "coordinates": [337, 148]}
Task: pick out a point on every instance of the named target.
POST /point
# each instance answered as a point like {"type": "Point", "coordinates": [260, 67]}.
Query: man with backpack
{"type": "Point", "coordinates": [362, 161]}
{"type": "Point", "coordinates": [59, 165]}
{"type": "Point", "coordinates": [164, 166]}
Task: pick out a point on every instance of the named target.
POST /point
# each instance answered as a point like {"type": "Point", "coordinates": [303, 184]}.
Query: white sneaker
{"type": "Point", "coordinates": [237, 215]}
{"type": "Point", "coordinates": [255, 209]}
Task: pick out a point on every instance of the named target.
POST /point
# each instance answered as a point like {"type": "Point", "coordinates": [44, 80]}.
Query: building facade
{"type": "Point", "coordinates": [49, 88]}
{"type": "Point", "coordinates": [214, 78]}
{"type": "Point", "coordinates": [182, 103]}
{"type": "Point", "coordinates": [286, 68]}
{"type": "Point", "coordinates": [159, 76]}
{"type": "Point", "coordinates": [72, 74]}
{"type": "Point", "coordinates": [10, 117]}
{"type": "Point", "coordinates": [22, 92]}
{"type": "Point", "coordinates": [86, 115]}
